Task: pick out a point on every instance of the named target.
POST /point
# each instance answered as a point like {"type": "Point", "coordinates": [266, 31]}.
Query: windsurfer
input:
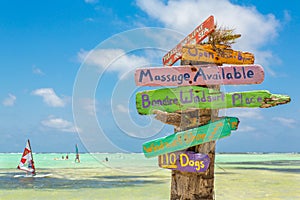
{"type": "Point", "coordinates": [77, 154]}
{"type": "Point", "coordinates": [77, 158]}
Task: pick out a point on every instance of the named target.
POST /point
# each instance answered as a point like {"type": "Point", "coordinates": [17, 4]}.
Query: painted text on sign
{"type": "Point", "coordinates": [192, 137]}
{"type": "Point", "coordinates": [209, 54]}
{"type": "Point", "coordinates": [200, 75]}
{"type": "Point", "coordinates": [199, 34]}
{"type": "Point", "coordinates": [182, 98]}
{"type": "Point", "coordinates": [186, 161]}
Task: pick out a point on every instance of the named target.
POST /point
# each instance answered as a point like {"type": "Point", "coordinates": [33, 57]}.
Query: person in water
{"type": "Point", "coordinates": [77, 158]}
{"type": "Point", "coordinates": [77, 154]}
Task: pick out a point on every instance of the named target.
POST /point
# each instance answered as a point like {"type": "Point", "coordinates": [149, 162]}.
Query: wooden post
{"type": "Point", "coordinates": [188, 185]}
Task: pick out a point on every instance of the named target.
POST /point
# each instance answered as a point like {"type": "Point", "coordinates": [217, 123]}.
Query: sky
{"type": "Point", "coordinates": [67, 67]}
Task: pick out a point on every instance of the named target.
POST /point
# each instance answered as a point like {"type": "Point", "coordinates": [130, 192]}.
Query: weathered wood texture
{"type": "Point", "coordinates": [192, 137]}
{"type": "Point", "coordinates": [188, 185]}
{"type": "Point", "coordinates": [195, 186]}
{"type": "Point", "coordinates": [183, 98]}
{"type": "Point", "coordinates": [190, 118]}
{"type": "Point", "coordinates": [199, 34]}
{"type": "Point", "coordinates": [219, 54]}
{"type": "Point", "coordinates": [199, 75]}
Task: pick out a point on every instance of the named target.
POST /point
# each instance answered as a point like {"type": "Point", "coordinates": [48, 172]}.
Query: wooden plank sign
{"type": "Point", "coordinates": [219, 55]}
{"type": "Point", "coordinates": [199, 34]}
{"type": "Point", "coordinates": [199, 75]}
{"type": "Point", "coordinates": [192, 137]}
{"type": "Point", "coordinates": [185, 161]}
{"type": "Point", "coordinates": [181, 98]}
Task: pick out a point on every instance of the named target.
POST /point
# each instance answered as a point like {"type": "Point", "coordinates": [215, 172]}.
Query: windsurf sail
{"type": "Point", "coordinates": [76, 149]}
{"type": "Point", "coordinates": [26, 162]}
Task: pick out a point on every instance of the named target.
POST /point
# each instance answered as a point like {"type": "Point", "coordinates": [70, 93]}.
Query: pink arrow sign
{"type": "Point", "coordinates": [199, 34]}
{"type": "Point", "coordinates": [199, 75]}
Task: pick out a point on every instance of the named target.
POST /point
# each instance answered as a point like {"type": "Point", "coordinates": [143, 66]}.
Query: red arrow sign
{"type": "Point", "coordinates": [199, 34]}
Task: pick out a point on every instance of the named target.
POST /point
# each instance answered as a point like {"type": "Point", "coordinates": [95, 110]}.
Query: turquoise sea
{"type": "Point", "coordinates": [132, 176]}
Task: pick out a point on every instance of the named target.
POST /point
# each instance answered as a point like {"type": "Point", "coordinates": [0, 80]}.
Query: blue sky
{"type": "Point", "coordinates": [67, 71]}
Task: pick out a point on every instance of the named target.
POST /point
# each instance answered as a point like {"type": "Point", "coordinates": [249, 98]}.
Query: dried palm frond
{"type": "Point", "coordinates": [222, 36]}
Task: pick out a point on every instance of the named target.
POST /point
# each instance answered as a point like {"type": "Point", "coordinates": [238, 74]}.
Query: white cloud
{"type": "Point", "coordinates": [256, 28]}
{"type": "Point", "coordinates": [253, 113]}
{"type": "Point", "coordinates": [287, 16]}
{"type": "Point", "coordinates": [10, 100]}
{"type": "Point", "coordinates": [37, 71]}
{"type": "Point", "coordinates": [285, 121]}
{"type": "Point", "coordinates": [89, 19]}
{"type": "Point", "coordinates": [246, 128]}
{"type": "Point", "coordinates": [59, 124]}
{"type": "Point", "coordinates": [113, 60]}
{"type": "Point", "coordinates": [121, 108]}
{"type": "Point", "coordinates": [49, 97]}
{"type": "Point", "coordinates": [91, 1]}
{"type": "Point", "coordinates": [89, 105]}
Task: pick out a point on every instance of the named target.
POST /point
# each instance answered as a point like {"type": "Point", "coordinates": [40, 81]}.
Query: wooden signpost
{"type": "Point", "coordinates": [199, 34]}
{"type": "Point", "coordinates": [192, 137]}
{"type": "Point", "coordinates": [182, 98]}
{"type": "Point", "coordinates": [185, 161]}
{"type": "Point", "coordinates": [193, 110]}
{"type": "Point", "coordinates": [219, 55]}
{"type": "Point", "coordinates": [199, 75]}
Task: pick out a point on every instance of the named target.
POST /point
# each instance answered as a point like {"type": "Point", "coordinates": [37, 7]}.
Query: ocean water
{"type": "Point", "coordinates": [132, 176]}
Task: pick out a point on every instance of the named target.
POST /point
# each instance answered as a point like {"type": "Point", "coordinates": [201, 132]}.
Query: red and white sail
{"type": "Point", "coordinates": [26, 162]}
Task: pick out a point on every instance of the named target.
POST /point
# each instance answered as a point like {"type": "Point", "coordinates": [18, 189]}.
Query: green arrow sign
{"type": "Point", "coordinates": [192, 137]}
{"type": "Point", "coordinates": [182, 98]}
